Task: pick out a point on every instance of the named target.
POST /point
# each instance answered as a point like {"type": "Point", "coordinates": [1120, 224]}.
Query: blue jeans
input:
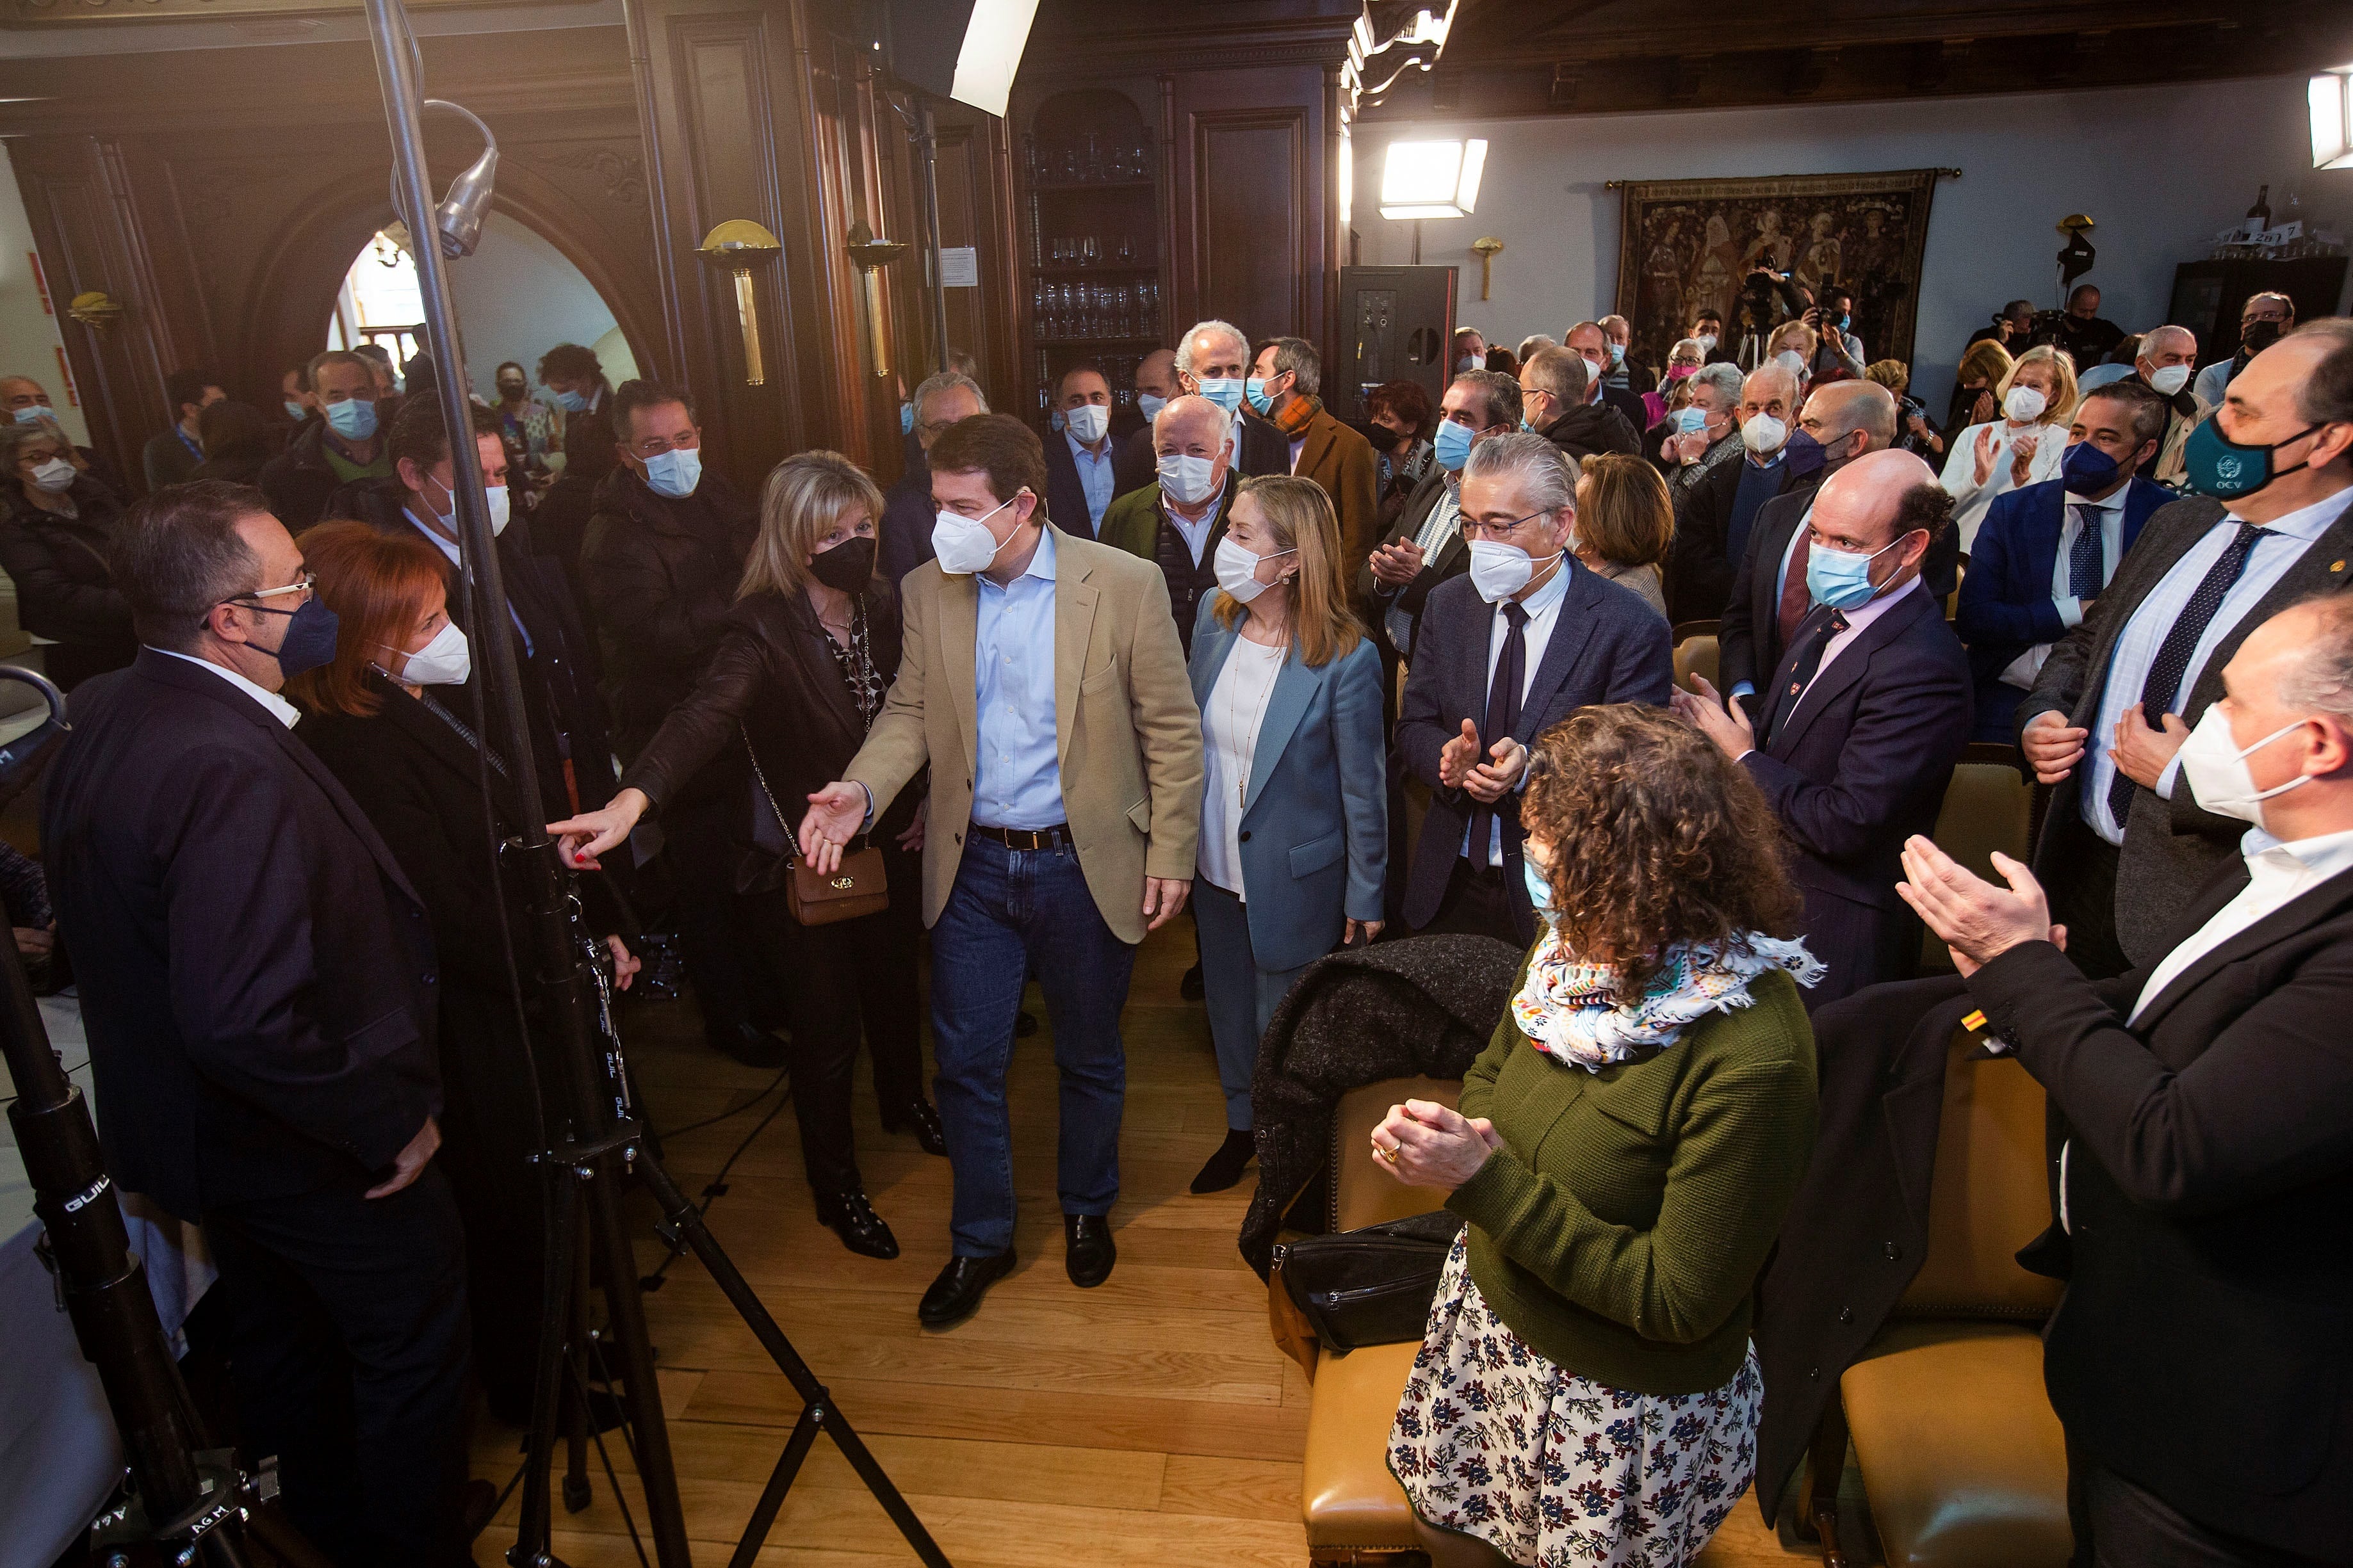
{"type": "Point", "coordinates": [1012, 911]}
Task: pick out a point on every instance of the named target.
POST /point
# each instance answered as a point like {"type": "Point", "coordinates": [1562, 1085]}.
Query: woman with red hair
{"type": "Point", "coordinates": [387, 720]}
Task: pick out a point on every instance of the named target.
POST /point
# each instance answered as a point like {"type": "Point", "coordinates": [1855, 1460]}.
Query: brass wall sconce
{"type": "Point", "coordinates": [1486, 247]}
{"type": "Point", "coordinates": [870, 255]}
{"type": "Point", "coordinates": [96, 309]}
{"type": "Point", "coordinates": [739, 244]}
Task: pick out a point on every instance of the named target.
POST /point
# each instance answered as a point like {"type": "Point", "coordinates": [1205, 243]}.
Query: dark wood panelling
{"type": "Point", "coordinates": [1246, 177]}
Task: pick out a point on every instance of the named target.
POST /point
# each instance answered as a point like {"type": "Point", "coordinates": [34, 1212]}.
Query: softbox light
{"type": "Point", "coordinates": [962, 49]}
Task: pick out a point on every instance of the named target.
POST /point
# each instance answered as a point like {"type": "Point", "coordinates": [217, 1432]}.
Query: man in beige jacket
{"type": "Point", "coordinates": [1042, 683]}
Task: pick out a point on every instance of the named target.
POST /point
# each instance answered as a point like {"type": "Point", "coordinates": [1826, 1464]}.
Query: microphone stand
{"type": "Point", "coordinates": [596, 1143]}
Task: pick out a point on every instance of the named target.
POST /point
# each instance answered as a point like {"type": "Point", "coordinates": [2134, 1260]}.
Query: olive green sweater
{"type": "Point", "coordinates": [1621, 1230]}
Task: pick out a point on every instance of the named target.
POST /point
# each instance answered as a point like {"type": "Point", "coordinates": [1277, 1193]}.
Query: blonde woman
{"type": "Point", "coordinates": [2024, 445]}
{"type": "Point", "coordinates": [1295, 813]}
{"type": "Point", "coordinates": [1624, 524]}
{"type": "Point", "coordinates": [800, 672]}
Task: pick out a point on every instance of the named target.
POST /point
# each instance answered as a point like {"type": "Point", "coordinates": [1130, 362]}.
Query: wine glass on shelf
{"type": "Point", "coordinates": [1093, 169]}
{"type": "Point", "coordinates": [1090, 251]}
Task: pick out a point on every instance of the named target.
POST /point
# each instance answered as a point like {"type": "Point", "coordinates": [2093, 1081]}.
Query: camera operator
{"type": "Point", "coordinates": [2086, 335]}
{"type": "Point", "coordinates": [1830, 316]}
{"type": "Point", "coordinates": [2012, 326]}
{"type": "Point", "coordinates": [1767, 298]}
{"type": "Point", "coordinates": [258, 984]}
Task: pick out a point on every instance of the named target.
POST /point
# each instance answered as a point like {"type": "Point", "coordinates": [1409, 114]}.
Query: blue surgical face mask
{"type": "Point", "coordinates": [296, 412]}
{"type": "Point", "coordinates": [1539, 890]}
{"type": "Point", "coordinates": [33, 414]}
{"type": "Point", "coordinates": [1841, 579]}
{"type": "Point", "coordinates": [1225, 390]}
{"type": "Point", "coordinates": [353, 418]}
{"type": "Point", "coordinates": [1453, 444]}
{"type": "Point", "coordinates": [674, 473]}
{"type": "Point", "coordinates": [1617, 354]}
{"type": "Point", "coordinates": [571, 402]}
{"type": "Point", "coordinates": [1254, 389]}
{"type": "Point", "coordinates": [1149, 406]}
{"type": "Point", "coordinates": [906, 419]}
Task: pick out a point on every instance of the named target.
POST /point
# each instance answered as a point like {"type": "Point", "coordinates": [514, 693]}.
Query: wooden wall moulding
{"type": "Point", "coordinates": [43, 14]}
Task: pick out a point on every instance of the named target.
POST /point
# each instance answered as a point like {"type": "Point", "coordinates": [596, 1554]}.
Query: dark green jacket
{"type": "Point", "coordinates": [1621, 1230]}
{"type": "Point", "coordinates": [1132, 522]}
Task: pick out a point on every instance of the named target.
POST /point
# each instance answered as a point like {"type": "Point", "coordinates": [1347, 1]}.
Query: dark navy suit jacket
{"type": "Point", "coordinates": [2006, 604]}
{"type": "Point", "coordinates": [1066, 495]}
{"type": "Point", "coordinates": [1857, 766]}
{"type": "Point", "coordinates": [256, 972]}
{"type": "Point", "coordinates": [1608, 646]}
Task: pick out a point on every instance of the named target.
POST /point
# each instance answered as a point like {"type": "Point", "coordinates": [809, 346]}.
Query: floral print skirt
{"type": "Point", "coordinates": [1551, 1469]}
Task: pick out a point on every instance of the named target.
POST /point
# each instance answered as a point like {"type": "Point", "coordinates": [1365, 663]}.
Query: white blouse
{"type": "Point", "coordinates": [1974, 500]}
{"type": "Point", "coordinates": [1229, 726]}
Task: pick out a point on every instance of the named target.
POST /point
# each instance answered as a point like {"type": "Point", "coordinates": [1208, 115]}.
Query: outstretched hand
{"type": "Point", "coordinates": [836, 813]}
{"type": "Point", "coordinates": [1976, 921]}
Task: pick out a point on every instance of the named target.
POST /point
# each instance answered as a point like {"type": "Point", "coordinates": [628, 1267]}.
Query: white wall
{"type": "Point", "coordinates": [28, 334]}
{"type": "Point", "coordinates": [2159, 169]}
{"type": "Point", "coordinates": [517, 298]}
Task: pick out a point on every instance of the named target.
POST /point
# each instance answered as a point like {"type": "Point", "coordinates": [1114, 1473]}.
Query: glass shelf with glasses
{"type": "Point", "coordinates": [1048, 187]}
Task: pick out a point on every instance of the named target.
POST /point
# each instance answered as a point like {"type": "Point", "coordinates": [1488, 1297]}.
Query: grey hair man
{"type": "Point", "coordinates": [941, 401]}
{"type": "Point", "coordinates": [1213, 361]}
{"type": "Point", "coordinates": [1425, 545]}
{"type": "Point", "coordinates": [2166, 359]}
{"type": "Point", "coordinates": [1489, 674]}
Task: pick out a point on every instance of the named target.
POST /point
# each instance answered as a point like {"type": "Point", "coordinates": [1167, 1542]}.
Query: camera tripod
{"type": "Point", "coordinates": [595, 1142]}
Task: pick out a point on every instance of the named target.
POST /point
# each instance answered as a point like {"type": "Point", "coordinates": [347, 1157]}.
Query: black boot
{"type": "Point", "coordinates": [1225, 1166]}
{"type": "Point", "coordinates": [918, 1116]}
{"type": "Point", "coordinates": [853, 1220]}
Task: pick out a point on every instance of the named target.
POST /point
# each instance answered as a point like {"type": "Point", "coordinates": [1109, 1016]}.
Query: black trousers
{"type": "Point", "coordinates": [1475, 904]}
{"type": "Point", "coordinates": [735, 974]}
{"type": "Point", "coordinates": [2136, 1529]}
{"type": "Point", "coordinates": [853, 977]}
{"type": "Point", "coordinates": [2083, 893]}
{"type": "Point", "coordinates": [346, 1331]}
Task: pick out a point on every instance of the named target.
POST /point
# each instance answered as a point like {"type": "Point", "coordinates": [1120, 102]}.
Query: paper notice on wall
{"type": "Point", "coordinates": [959, 267]}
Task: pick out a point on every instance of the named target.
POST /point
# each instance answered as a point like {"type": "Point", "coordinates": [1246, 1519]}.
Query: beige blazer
{"type": "Point", "coordinates": [1126, 732]}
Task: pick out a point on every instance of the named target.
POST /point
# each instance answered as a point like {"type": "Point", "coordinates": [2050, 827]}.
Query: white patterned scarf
{"type": "Point", "coordinates": [1569, 1010]}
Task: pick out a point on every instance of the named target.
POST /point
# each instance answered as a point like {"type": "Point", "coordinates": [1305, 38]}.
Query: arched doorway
{"type": "Point", "coordinates": [517, 296]}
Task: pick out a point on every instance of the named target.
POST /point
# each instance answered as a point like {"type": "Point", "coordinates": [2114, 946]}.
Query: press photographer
{"type": "Point", "coordinates": [258, 984]}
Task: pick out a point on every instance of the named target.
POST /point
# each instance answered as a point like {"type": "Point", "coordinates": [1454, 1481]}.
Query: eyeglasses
{"type": "Point", "coordinates": [1473, 529]}
{"type": "Point", "coordinates": [655, 446]}
{"type": "Point", "coordinates": [306, 586]}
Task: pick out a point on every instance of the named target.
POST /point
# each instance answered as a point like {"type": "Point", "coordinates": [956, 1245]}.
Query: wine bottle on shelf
{"type": "Point", "coordinates": [2259, 216]}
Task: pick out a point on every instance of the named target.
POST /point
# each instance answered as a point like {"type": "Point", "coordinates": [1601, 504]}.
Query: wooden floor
{"type": "Point", "coordinates": [1149, 1421]}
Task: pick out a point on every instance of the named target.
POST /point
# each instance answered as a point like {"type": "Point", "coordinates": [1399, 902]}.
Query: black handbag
{"type": "Point", "coordinates": [1369, 1287]}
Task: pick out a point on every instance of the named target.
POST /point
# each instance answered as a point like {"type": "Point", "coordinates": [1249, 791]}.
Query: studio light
{"type": "Point", "coordinates": [2331, 94]}
{"type": "Point", "coordinates": [1432, 179]}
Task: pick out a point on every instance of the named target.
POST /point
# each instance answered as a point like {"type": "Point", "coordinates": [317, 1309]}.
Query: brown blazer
{"type": "Point", "coordinates": [1126, 731]}
{"type": "Point", "coordinates": [1342, 461]}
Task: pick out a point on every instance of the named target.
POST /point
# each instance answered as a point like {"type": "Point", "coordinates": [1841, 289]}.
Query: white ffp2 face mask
{"type": "Point", "coordinates": [964, 545]}
{"type": "Point", "coordinates": [2024, 405]}
{"type": "Point", "coordinates": [2168, 380]}
{"type": "Point", "coordinates": [2215, 767]}
{"type": "Point", "coordinates": [1764, 433]}
{"type": "Point", "coordinates": [446, 660]}
{"type": "Point", "coordinates": [1499, 570]}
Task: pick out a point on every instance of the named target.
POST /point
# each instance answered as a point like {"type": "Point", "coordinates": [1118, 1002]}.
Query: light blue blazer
{"type": "Point", "coordinates": [1315, 818]}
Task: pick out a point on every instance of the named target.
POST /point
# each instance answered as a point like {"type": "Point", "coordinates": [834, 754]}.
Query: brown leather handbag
{"type": "Point", "coordinates": [856, 888]}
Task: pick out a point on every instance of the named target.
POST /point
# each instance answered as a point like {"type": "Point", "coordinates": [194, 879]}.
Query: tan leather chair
{"type": "Point", "coordinates": [1988, 805]}
{"type": "Point", "coordinates": [1695, 656]}
{"type": "Point", "coordinates": [1962, 1459]}
{"type": "Point", "coordinates": [1354, 1509]}
{"type": "Point", "coordinates": [1952, 599]}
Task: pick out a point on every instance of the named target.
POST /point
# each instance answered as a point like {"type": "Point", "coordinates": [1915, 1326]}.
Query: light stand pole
{"type": "Point", "coordinates": [594, 1146]}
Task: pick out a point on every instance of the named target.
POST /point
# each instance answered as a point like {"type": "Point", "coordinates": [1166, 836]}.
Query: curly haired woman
{"type": "Point", "coordinates": [1586, 1392]}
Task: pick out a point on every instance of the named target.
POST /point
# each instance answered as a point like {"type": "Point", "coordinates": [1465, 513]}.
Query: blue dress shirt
{"type": "Point", "coordinates": [2284, 543]}
{"type": "Point", "coordinates": [1544, 614]}
{"type": "Point", "coordinates": [1018, 776]}
{"type": "Point", "coordinates": [1094, 475]}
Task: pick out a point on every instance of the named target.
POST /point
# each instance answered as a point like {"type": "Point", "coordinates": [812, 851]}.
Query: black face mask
{"type": "Point", "coordinates": [2259, 336]}
{"type": "Point", "coordinates": [847, 567]}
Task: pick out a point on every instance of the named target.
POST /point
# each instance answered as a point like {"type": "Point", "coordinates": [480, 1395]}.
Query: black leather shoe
{"type": "Point", "coordinates": [1092, 1249]}
{"type": "Point", "coordinates": [854, 1220]}
{"type": "Point", "coordinates": [955, 1294]}
{"type": "Point", "coordinates": [749, 1044]}
{"type": "Point", "coordinates": [918, 1116]}
{"type": "Point", "coordinates": [1191, 988]}
{"type": "Point", "coordinates": [1226, 1166]}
